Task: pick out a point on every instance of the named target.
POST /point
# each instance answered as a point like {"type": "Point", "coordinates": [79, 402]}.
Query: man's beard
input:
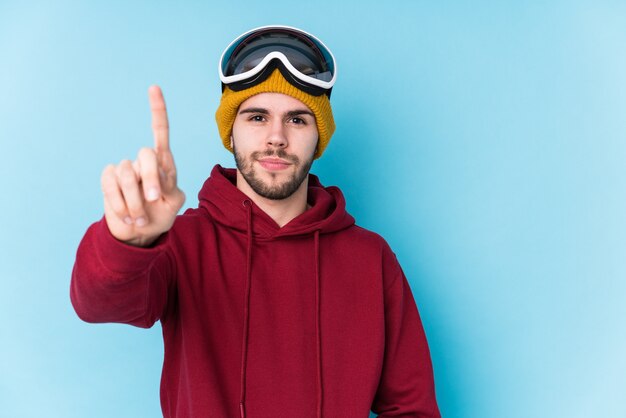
{"type": "Point", "coordinates": [268, 191]}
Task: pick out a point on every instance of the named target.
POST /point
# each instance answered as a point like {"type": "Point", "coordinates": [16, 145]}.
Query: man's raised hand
{"type": "Point", "coordinates": [141, 198]}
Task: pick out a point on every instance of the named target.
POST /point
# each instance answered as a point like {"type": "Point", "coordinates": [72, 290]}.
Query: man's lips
{"type": "Point", "coordinates": [273, 163]}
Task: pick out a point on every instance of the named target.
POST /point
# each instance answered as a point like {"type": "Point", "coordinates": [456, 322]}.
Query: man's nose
{"type": "Point", "coordinates": [277, 137]}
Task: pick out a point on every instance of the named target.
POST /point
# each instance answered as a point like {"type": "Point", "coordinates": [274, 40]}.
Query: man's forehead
{"type": "Point", "coordinates": [274, 102]}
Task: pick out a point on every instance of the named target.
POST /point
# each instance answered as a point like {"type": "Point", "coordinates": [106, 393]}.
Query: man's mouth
{"type": "Point", "coordinates": [273, 163]}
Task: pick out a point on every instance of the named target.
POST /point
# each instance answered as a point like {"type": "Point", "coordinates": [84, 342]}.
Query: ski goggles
{"type": "Point", "coordinates": [302, 59]}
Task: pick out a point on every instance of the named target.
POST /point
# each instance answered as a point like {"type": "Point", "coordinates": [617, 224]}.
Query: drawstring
{"type": "Point", "coordinates": [317, 324]}
{"type": "Point", "coordinates": [246, 317]}
{"type": "Point", "coordinates": [246, 311]}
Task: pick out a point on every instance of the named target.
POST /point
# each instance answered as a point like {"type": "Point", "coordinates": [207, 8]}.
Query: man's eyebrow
{"type": "Point", "coordinates": [293, 113]}
{"type": "Point", "coordinates": [255, 110]}
{"type": "Point", "coordinates": [289, 114]}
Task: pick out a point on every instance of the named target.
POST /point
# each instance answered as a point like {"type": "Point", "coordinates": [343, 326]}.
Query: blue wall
{"type": "Point", "coordinates": [485, 140]}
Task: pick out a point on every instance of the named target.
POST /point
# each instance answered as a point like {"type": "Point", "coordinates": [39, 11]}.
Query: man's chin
{"type": "Point", "coordinates": [275, 186]}
{"type": "Point", "coordinates": [272, 183]}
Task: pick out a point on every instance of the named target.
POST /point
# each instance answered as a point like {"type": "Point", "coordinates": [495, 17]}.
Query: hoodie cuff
{"type": "Point", "coordinates": [120, 257]}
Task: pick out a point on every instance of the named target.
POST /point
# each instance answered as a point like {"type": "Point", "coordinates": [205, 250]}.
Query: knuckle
{"type": "Point", "coordinates": [128, 181]}
{"type": "Point", "coordinates": [160, 123]}
{"type": "Point", "coordinates": [118, 207]}
{"type": "Point", "coordinates": [108, 170]}
{"type": "Point", "coordinates": [109, 188]}
{"type": "Point", "coordinates": [135, 209]}
{"type": "Point", "coordinates": [122, 167]}
{"type": "Point", "coordinates": [126, 174]}
{"type": "Point", "coordinates": [107, 176]}
{"type": "Point", "coordinates": [114, 201]}
{"type": "Point", "coordinates": [145, 152]}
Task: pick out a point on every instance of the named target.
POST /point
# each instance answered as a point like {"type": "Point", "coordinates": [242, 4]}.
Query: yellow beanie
{"type": "Point", "coordinates": [275, 83]}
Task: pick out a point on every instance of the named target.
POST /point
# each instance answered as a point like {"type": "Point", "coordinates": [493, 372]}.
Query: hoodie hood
{"type": "Point", "coordinates": [227, 205]}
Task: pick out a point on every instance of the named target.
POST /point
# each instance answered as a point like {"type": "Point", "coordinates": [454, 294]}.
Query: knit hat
{"type": "Point", "coordinates": [275, 83]}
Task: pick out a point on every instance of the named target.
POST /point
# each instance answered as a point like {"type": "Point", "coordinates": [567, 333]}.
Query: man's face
{"type": "Point", "coordinates": [274, 140]}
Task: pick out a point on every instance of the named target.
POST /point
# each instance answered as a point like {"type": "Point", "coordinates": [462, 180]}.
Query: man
{"type": "Point", "coordinates": [273, 303]}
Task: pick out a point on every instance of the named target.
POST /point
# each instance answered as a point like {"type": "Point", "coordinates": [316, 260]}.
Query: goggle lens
{"type": "Point", "coordinates": [306, 63]}
{"type": "Point", "coordinates": [310, 58]}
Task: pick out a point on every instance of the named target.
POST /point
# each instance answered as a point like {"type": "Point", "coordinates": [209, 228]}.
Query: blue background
{"type": "Point", "coordinates": [484, 140]}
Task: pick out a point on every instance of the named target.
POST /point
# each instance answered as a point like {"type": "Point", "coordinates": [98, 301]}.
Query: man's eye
{"type": "Point", "coordinates": [298, 121]}
{"type": "Point", "coordinates": [257, 118]}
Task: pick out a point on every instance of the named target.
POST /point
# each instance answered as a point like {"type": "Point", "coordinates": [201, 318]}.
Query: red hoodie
{"type": "Point", "coordinates": [314, 319]}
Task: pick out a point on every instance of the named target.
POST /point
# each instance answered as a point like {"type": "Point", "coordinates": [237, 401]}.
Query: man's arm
{"type": "Point", "coordinates": [116, 282]}
{"type": "Point", "coordinates": [406, 387]}
{"type": "Point", "coordinates": [122, 273]}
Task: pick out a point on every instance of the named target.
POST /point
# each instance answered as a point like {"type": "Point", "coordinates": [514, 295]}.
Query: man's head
{"type": "Point", "coordinates": [277, 59]}
{"type": "Point", "coordinates": [274, 138]}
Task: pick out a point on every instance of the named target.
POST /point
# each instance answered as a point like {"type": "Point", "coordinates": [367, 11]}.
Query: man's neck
{"type": "Point", "coordinates": [281, 211]}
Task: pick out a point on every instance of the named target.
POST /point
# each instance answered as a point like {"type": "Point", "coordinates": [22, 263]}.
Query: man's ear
{"type": "Point", "coordinates": [231, 142]}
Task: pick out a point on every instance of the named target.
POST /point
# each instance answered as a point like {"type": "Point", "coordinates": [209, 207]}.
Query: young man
{"type": "Point", "coordinates": [273, 303]}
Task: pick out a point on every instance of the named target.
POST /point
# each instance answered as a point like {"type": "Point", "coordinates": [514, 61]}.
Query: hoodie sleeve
{"type": "Point", "coordinates": [406, 387]}
{"type": "Point", "coordinates": [116, 282]}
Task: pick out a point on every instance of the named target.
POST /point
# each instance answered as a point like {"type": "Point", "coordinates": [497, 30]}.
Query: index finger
{"type": "Point", "coordinates": [160, 126]}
